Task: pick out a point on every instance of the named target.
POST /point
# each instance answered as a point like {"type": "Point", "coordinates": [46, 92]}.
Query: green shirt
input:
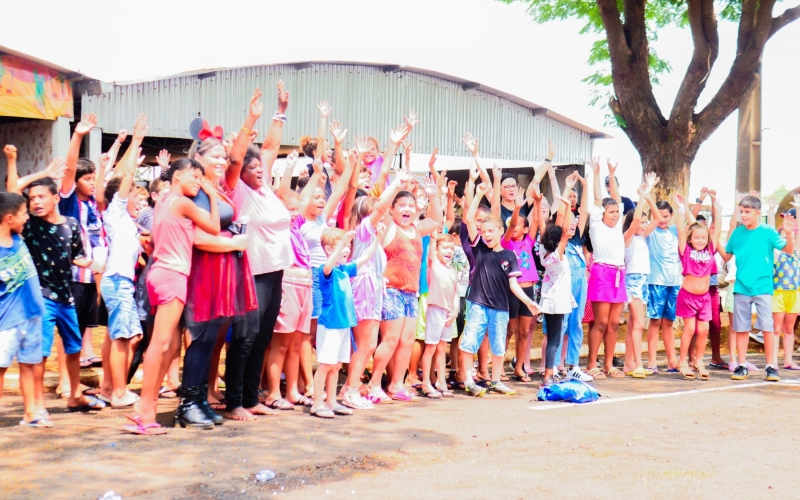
{"type": "Point", "coordinates": [755, 252]}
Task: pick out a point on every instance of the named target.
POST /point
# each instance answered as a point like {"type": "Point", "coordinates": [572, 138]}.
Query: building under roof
{"type": "Point", "coordinates": [366, 98]}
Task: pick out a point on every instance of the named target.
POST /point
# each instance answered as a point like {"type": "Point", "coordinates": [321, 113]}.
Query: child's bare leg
{"type": "Point", "coordinates": [427, 359]}
{"type": "Point", "coordinates": [771, 348]}
{"type": "Point", "coordinates": [63, 373]}
{"type": "Point", "coordinates": [454, 355]}
{"type": "Point", "coordinates": [106, 386]}
{"type": "Point", "coordinates": [668, 334]}
{"type": "Point", "coordinates": [402, 354]}
{"type": "Point", "coordinates": [483, 359]}
{"type": "Point", "coordinates": [38, 385]}
{"type": "Point", "coordinates": [788, 338]}
{"type": "Point", "coordinates": [26, 385]}
{"type": "Point", "coordinates": [523, 340]}
{"type": "Point", "coordinates": [610, 337]}
{"type": "Point", "coordinates": [291, 366]}
{"type": "Point", "coordinates": [119, 368]}
{"type": "Point", "coordinates": [688, 333]}
{"type": "Point", "coordinates": [596, 333]}
{"type": "Point", "coordinates": [701, 340]}
{"type": "Point", "coordinates": [652, 343]}
{"type": "Point", "coordinates": [331, 383]}
{"type": "Point", "coordinates": [497, 368]}
{"type": "Point", "coordinates": [438, 359]}
{"type": "Point", "coordinates": [320, 378]}
{"type": "Point", "coordinates": [511, 330]}
{"type": "Point", "coordinates": [742, 339]}
{"type": "Point", "coordinates": [416, 355]}
{"type": "Point", "coordinates": [366, 335]}
{"type": "Point", "coordinates": [390, 337]}
{"type": "Point", "coordinates": [527, 365]}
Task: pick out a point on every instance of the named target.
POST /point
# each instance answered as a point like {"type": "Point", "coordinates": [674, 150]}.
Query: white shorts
{"type": "Point", "coordinates": [333, 345]}
{"type": "Point", "coordinates": [23, 342]}
{"type": "Point", "coordinates": [435, 331]}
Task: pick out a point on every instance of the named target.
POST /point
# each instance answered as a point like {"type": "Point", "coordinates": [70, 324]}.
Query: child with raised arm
{"type": "Point", "coordinates": [494, 279]}
{"type": "Point", "coordinates": [786, 279]}
{"type": "Point", "coordinates": [21, 308]}
{"type": "Point", "coordinates": [338, 315]}
{"type": "Point", "coordinates": [443, 302]}
{"type": "Point", "coordinates": [753, 244]}
{"type": "Point", "coordinates": [697, 248]}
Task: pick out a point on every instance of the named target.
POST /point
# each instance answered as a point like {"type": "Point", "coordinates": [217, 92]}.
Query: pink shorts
{"type": "Point", "coordinates": [367, 294]}
{"type": "Point", "coordinates": [296, 306]}
{"type": "Point", "coordinates": [165, 285]}
{"type": "Point", "coordinates": [691, 305]}
{"type": "Point", "coordinates": [607, 284]}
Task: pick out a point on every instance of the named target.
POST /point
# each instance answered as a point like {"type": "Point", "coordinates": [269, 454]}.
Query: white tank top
{"type": "Point", "coordinates": [637, 256]}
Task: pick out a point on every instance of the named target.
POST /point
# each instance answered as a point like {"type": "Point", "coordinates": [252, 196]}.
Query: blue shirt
{"type": "Point", "coordinates": [338, 308]}
{"type": "Point", "coordinates": [754, 250]}
{"type": "Point", "coordinates": [20, 293]}
{"type": "Point", "coordinates": [665, 263]}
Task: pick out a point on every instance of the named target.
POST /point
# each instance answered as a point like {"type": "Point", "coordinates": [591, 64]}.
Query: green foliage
{"type": "Point", "coordinates": [779, 194]}
{"type": "Point", "coordinates": [658, 14]}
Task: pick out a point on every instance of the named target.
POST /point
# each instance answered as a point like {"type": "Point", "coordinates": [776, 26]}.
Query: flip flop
{"type": "Point", "coordinates": [673, 370]}
{"type": "Point", "coordinates": [85, 364]}
{"type": "Point", "coordinates": [280, 404]}
{"type": "Point", "coordinates": [95, 362]}
{"type": "Point", "coordinates": [793, 367]}
{"type": "Point", "coordinates": [721, 366]}
{"type": "Point", "coordinates": [638, 373]}
{"type": "Point", "coordinates": [324, 413]}
{"type": "Point", "coordinates": [127, 400]}
{"type": "Point", "coordinates": [342, 410]}
{"type": "Point", "coordinates": [687, 373]}
{"type": "Point", "coordinates": [520, 378]}
{"type": "Point", "coordinates": [401, 395]}
{"type": "Point", "coordinates": [654, 370]}
{"type": "Point", "coordinates": [455, 384]}
{"type": "Point", "coordinates": [144, 429]}
{"type": "Point", "coordinates": [615, 373]}
{"type": "Point", "coordinates": [92, 391]}
{"type": "Point", "coordinates": [597, 374]}
{"type": "Point", "coordinates": [446, 393]}
{"type": "Point", "coordinates": [37, 423]}
{"type": "Point", "coordinates": [92, 406]}
{"type": "Point", "coordinates": [433, 394]}
{"type": "Point", "coordinates": [304, 401]}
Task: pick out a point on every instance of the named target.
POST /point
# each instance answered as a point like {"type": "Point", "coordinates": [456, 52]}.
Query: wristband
{"type": "Point", "coordinates": [279, 117]}
{"type": "Point", "coordinates": [247, 130]}
{"type": "Point", "coordinates": [548, 161]}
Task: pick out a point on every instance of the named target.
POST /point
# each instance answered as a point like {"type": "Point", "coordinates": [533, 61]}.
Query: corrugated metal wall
{"type": "Point", "coordinates": [366, 100]}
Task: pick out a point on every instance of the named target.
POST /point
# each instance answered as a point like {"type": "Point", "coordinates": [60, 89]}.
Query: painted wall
{"type": "Point", "coordinates": [37, 142]}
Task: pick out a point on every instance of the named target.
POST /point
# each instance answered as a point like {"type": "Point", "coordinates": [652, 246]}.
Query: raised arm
{"type": "Point", "coordinates": [519, 201]}
{"type": "Point", "coordinates": [790, 223]}
{"type": "Point", "coordinates": [307, 194]}
{"type": "Point", "coordinates": [336, 255]}
{"type": "Point", "coordinates": [715, 219]}
{"type": "Point", "coordinates": [435, 221]}
{"type": "Point", "coordinates": [55, 170]}
{"type": "Point", "coordinates": [613, 188]}
{"type": "Point", "coordinates": [474, 148]}
{"type": "Point", "coordinates": [497, 174]}
{"type": "Point", "coordinates": [83, 127]}
{"type": "Point", "coordinates": [338, 147]}
{"type": "Point", "coordinates": [472, 211]}
{"type": "Point", "coordinates": [355, 159]}
{"type": "Point", "coordinates": [432, 165]}
{"type": "Point", "coordinates": [12, 176]}
{"type": "Point", "coordinates": [113, 152]}
{"type": "Point", "coordinates": [699, 203]}
{"type": "Point", "coordinates": [242, 141]}
{"type": "Point", "coordinates": [324, 112]}
{"type": "Point", "coordinates": [537, 206]}
{"type": "Point", "coordinates": [272, 142]}
{"type": "Point", "coordinates": [542, 169]}
{"type": "Point", "coordinates": [380, 232]}
{"type": "Point", "coordinates": [339, 189]}
{"type": "Point", "coordinates": [569, 184]}
{"type": "Point", "coordinates": [469, 188]}
{"type": "Point", "coordinates": [285, 187]}
{"type": "Point", "coordinates": [99, 182]}
{"type": "Point", "coordinates": [598, 196]}
{"type": "Point", "coordinates": [680, 223]}
{"type": "Point", "coordinates": [450, 210]}
{"type": "Point", "coordinates": [583, 210]}
{"type": "Point", "coordinates": [562, 244]}
{"type": "Point", "coordinates": [387, 196]}
{"type": "Point", "coordinates": [637, 216]}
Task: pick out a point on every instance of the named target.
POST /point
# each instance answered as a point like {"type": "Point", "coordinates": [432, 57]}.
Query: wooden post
{"type": "Point", "coordinates": [748, 151]}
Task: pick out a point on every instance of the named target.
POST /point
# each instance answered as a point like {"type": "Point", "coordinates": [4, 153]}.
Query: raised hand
{"type": "Point", "coordinates": [104, 160]}
{"type": "Point", "coordinates": [451, 188]}
{"type": "Point", "coordinates": [594, 164]}
{"type": "Point", "coordinates": [141, 128]}
{"type": "Point", "coordinates": [430, 187]}
{"type": "Point", "coordinates": [57, 169]}
{"type": "Point", "coordinates": [482, 189]}
{"type": "Point", "coordinates": [535, 194]}
{"type": "Point", "coordinates": [529, 192]}
{"type": "Point", "coordinates": [612, 168]}
{"type": "Point", "coordinates": [713, 194]}
{"type": "Point", "coordinates": [565, 201]}
{"type": "Point", "coordinates": [140, 157]}
{"type": "Point", "coordinates": [497, 172]}
{"type": "Point", "coordinates": [551, 150]}
{"type": "Point", "coordinates": [703, 193]}
{"type": "Point", "coordinates": [122, 135]}
{"type": "Point", "coordinates": [441, 181]}
{"type": "Point", "coordinates": [519, 200]}
{"type": "Point", "coordinates": [432, 160]}
{"type": "Point", "coordinates": [87, 123]}
{"type": "Point", "coordinates": [283, 98]}
{"type": "Point", "coordinates": [380, 231]}
{"type": "Point", "coordinates": [362, 144]}
{"type": "Point", "coordinates": [353, 157]}
{"type": "Point", "coordinates": [291, 161]}
{"type": "Point", "coordinates": [679, 200]}
{"type": "Point", "coordinates": [471, 143]}
{"type": "Point", "coordinates": [789, 223]}
{"type": "Point", "coordinates": [642, 190]}
{"type": "Point", "coordinates": [163, 159]}
{"type": "Point", "coordinates": [256, 106]}
{"type": "Point", "coordinates": [411, 120]}
{"type": "Point", "coordinates": [317, 166]}
{"type": "Point", "coordinates": [473, 172]}
{"type": "Point", "coordinates": [324, 109]}
{"type": "Point", "coordinates": [337, 132]}
{"type": "Point", "coordinates": [348, 237]}
{"type": "Point", "coordinates": [397, 135]}
{"type": "Point", "coordinates": [570, 182]}
{"type": "Point", "coordinates": [10, 151]}
{"type": "Point", "coordinates": [650, 179]}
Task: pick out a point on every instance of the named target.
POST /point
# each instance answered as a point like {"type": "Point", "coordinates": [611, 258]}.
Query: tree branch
{"type": "Point", "coordinates": [617, 45]}
{"type": "Point", "coordinates": [635, 28]}
{"type": "Point", "coordinates": [746, 24]}
{"type": "Point", "coordinates": [789, 16]}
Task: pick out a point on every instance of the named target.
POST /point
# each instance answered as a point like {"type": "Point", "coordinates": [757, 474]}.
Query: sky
{"type": "Point", "coordinates": [481, 40]}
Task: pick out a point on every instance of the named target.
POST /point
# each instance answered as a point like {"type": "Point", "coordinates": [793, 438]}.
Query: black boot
{"type": "Point", "coordinates": [208, 411]}
{"type": "Point", "coordinates": [189, 413]}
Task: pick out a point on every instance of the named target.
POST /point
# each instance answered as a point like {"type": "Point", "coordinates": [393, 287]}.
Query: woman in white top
{"type": "Point", "coordinates": [637, 267]}
{"type": "Point", "coordinates": [607, 280]}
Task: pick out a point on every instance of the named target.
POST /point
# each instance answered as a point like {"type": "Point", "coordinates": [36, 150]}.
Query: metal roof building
{"type": "Point", "coordinates": [367, 98]}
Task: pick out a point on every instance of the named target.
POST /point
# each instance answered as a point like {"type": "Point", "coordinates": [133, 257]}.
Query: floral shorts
{"type": "Point", "coordinates": [398, 304]}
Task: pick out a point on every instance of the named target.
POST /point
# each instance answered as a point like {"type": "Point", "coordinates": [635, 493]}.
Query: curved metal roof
{"type": "Point", "coordinates": [367, 97]}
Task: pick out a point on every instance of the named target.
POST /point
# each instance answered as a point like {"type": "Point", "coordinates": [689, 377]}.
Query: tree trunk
{"type": "Point", "coordinates": [672, 165]}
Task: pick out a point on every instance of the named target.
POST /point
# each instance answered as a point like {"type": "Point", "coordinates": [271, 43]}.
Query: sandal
{"type": "Point", "coordinates": [401, 395]}
{"type": "Point", "coordinates": [702, 372]}
{"type": "Point", "coordinates": [280, 404]}
{"type": "Point", "coordinates": [323, 413]}
{"type": "Point", "coordinates": [615, 373]}
{"type": "Point", "coordinates": [94, 404]}
{"type": "Point", "coordinates": [342, 410]}
{"type": "Point", "coordinates": [455, 384]}
{"type": "Point", "coordinates": [597, 374]}
{"type": "Point", "coordinates": [144, 429]}
{"type": "Point", "coordinates": [520, 378]}
{"type": "Point", "coordinates": [434, 394]}
{"type": "Point", "coordinates": [638, 373]}
{"type": "Point", "coordinates": [686, 372]}
{"type": "Point", "coordinates": [304, 401]}
{"type": "Point", "coordinates": [793, 367]}
{"type": "Point", "coordinates": [37, 423]}
{"type": "Point", "coordinates": [445, 393]}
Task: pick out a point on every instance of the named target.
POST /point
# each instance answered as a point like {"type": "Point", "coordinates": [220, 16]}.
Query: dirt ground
{"type": "Point", "coordinates": [729, 436]}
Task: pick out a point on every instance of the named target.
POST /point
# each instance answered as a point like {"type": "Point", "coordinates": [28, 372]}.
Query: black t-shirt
{"type": "Point", "coordinates": [506, 214]}
{"type": "Point", "coordinates": [489, 286]}
{"type": "Point", "coordinates": [53, 247]}
{"type": "Point", "coordinates": [627, 204]}
{"type": "Point", "coordinates": [225, 211]}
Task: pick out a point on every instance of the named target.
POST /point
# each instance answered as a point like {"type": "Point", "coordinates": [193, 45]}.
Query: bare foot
{"type": "Point", "coordinates": [239, 414]}
{"type": "Point", "coordinates": [260, 409]}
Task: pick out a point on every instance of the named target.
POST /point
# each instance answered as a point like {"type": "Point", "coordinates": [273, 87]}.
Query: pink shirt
{"type": "Point", "coordinates": [302, 259]}
{"type": "Point", "coordinates": [523, 249]}
{"type": "Point", "coordinates": [173, 238]}
{"type": "Point", "coordinates": [269, 248]}
{"type": "Point", "coordinates": [699, 263]}
{"type": "Point", "coordinates": [442, 285]}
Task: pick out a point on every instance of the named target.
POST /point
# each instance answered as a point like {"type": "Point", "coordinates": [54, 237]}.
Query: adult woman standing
{"type": "Point", "coordinates": [271, 253]}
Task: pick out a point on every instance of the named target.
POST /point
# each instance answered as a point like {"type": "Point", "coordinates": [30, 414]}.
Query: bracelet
{"type": "Point", "coordinates": [279, 117]}
{"type": "Point", "coordinates": [247, 130]}
{"type": "Point", "coordinates": [548, 161]}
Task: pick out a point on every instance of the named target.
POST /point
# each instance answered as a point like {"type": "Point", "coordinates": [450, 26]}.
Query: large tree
{"type": "Point", "coordinates": [667, 145]}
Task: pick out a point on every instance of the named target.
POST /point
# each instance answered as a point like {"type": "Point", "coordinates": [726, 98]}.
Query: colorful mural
{"type": "Point", "coordinates": [29, 90]}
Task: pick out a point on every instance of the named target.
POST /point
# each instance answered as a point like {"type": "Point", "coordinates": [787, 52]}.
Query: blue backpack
{"type": "Point", "coordinates": [571, 391]}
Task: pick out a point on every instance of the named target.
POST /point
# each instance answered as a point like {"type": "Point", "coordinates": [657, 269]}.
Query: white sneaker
{"type": "Point", "coordinates": [353, 399]}
{"type": "Point", "coordinates": [757, 336]}
{"type": "Point", "coordinates": [575, 373]}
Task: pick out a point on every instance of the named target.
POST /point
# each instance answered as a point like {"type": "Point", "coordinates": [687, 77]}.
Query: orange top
{"type": "Point", "coordinates": [404, 261]}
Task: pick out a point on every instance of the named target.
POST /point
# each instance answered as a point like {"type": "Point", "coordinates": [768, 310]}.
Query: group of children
{"type": "Point", "coordinates": [360, 267]}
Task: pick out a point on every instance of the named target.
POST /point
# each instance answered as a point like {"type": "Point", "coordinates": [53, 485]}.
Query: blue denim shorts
{"type": "Point", "coordinates": [65, 318]}
{"type": "Point", "coordinates": [23, 341]}
{"type": "Point", "coordinates": [479, 319]}
{"type": "Point", "coordinates": [316, 294]}
{"type": "Point", "coordinates": [662, 302]}
{"type": "Point", "coordinates": [399, 304]}
{"type": "Point", "coordinates": [636, 287]}
{"type": "Point", "coordinates": [123, 316]}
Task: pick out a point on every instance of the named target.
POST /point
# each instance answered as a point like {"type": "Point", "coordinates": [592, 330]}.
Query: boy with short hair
{"type": "Point", "coordinates": [55, 245]}
{"type": "Point", "coordinates": [21, 307]}
{"type": "Point", "coordinates": [338, 315]}
{"type": "Point", "coordinates": [754, 244]}
{"type": "Point", "coordinates": [495, 276]}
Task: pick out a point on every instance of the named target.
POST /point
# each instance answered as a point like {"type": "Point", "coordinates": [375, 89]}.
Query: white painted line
{"type": "Point", "coordinates": [556, 406]}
